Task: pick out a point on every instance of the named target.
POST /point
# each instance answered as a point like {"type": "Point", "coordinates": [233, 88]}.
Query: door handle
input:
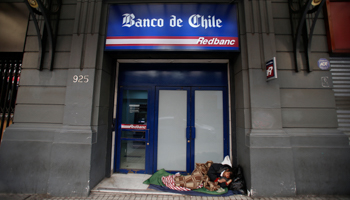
{"type": "Point", "coordinates": [193, 132]}
{"type": "Point", "coordinates": [147, 136]}
{"type": "Point", "coordinates": [188, 133]}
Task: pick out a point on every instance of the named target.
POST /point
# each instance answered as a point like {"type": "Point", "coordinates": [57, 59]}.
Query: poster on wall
{"type": "Point", "coordinates": [172, 27]}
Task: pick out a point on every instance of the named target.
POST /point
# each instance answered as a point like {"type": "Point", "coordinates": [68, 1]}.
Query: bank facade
{"type": "Point", "coordinates": [135, 87]}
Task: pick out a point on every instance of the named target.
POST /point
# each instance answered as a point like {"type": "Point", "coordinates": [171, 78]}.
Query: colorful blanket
{"type": "Point", "coordinates": [155, 182]}
{"type": "Point", "coordinates": [169, 181]}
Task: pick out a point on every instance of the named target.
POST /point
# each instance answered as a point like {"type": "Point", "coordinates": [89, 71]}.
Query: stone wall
{"type": "Point", "coordinates": [286, 128]}
{"type": "Point", "coordinates": [57, 144]}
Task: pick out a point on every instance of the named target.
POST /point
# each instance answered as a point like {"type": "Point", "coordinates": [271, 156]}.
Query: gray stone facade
{"type": "Point", "coordinates": [284, 131]}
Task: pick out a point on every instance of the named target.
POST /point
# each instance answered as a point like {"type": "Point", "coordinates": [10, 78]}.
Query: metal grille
{"type": "Point", "coordinates": [340, 68]}
{"type": "Point", "coordinates": [10, 74]}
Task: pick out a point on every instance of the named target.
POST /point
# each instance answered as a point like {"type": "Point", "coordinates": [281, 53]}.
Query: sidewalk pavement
{"type": "Point", "coordinates": [130, 196]}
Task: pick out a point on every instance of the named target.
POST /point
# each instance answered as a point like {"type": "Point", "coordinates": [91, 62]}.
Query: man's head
{"type": "Point", "coordinates": [227, 174]}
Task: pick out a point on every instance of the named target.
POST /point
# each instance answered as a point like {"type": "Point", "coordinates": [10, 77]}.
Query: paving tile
{"type": "Point", "coordinates": [124, 196]}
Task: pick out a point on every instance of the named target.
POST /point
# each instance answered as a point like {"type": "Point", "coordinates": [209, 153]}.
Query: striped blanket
{"type": "Point", "coordinates": [170, 183]}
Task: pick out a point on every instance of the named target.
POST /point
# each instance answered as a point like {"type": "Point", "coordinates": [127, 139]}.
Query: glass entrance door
{"type": "Point", "coordinates": [209, 124]}
{"type": "Point", "coordinates": [134, 130]}
{"type": "Point", "coordinates": [173, 123]}
{"type": "Point", "coordinates": [191, 127]}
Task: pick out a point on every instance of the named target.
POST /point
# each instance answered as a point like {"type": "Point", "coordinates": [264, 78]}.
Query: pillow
{"type": "Point", "coordinates": [227, 161]}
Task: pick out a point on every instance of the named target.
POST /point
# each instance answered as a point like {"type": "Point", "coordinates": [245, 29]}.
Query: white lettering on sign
{"type": "Point", "coordinates": [129, 21]}
{"type": "Point", "coordinates": [270, 71]}
{"type": "Point", "coordinates": [80, 78]}
{"type": "Point", "coordinates": [215, 41]}
{"type": "Point", "coordinates": [134, 126]}
{"type": "Point", "coordinates": [194, 21]}
{"type": "Point", "coordinates": [175, 22]}
{"type": "Point", "coordinates": [199, 20]}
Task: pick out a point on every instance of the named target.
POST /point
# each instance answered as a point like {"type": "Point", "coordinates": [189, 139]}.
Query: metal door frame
{"type": "Point", "coordinates": [149, 132]}
{"type": "Point", "coordinates": [191, 129]}
{"type": "Point", "coordinates": [212, 61]}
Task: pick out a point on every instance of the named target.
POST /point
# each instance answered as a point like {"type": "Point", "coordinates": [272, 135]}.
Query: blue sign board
{"type": "Point", "coordinates": [172, 27]}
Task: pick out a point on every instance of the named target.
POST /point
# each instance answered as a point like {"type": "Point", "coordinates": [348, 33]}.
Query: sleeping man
{"type": "Point", "coordinates": [220, 173]}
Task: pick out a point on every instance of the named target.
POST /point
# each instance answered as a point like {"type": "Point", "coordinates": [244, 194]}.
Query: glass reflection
{"type": "Point", "coordinates": [134, 116]}
{"type": "Point", "coordinates": [132, 155]}
{"type": "Point", "coordinates": [134, 107]}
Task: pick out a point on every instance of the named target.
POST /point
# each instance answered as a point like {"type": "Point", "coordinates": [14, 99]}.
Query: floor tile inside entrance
{"type": "Point", "coordinates": [123, 182]}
